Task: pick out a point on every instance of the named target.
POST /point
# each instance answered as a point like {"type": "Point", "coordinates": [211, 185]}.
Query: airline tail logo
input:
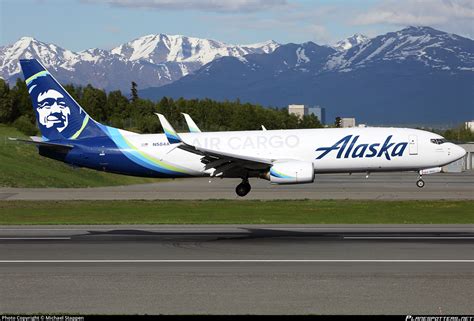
{"type": "Point", "coordinates": [347, 147]}
{"type": "Point", "coordinates": [59, 115]}
{"type": "Point", "coordinates": [52, 109]}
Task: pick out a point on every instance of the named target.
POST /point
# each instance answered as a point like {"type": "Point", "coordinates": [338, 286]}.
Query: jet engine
{"type": "Point", "coordinates": [291, 172]}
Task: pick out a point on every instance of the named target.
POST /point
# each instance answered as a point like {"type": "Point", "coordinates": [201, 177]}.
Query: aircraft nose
{"type": "Point", "coordinates": [458, 152]}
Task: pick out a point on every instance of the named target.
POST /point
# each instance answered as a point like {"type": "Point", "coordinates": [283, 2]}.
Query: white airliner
{"type": "Point", "coordinates": [280, 156]}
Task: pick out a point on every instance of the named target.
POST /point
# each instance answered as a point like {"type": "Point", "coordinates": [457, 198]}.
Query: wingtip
{"type": "Point", "coordinates": [170, 132]}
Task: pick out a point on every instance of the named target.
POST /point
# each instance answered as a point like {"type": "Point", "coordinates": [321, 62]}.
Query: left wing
{"type": "Point", "coordinates": [223, 163]}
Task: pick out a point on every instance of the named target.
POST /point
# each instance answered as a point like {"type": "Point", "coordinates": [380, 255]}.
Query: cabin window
{"type": "Point", "coordinates": [438, 141]}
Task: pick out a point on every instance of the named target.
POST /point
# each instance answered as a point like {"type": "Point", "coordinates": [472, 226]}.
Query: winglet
{"type": "Point", "coordinates": [263, 128]}
{"type": "Point", "coordinates": [170, 133]}
{"type": "Point", "coordinates": [193, 128]}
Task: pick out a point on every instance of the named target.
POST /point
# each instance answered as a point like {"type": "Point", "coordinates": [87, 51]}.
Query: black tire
{"type": "Point", "coordinates": [248, 187]}
{"type": "Point", "coordinates": [242, 189]}
{"type": "Point", "coordinates": [420, 183]}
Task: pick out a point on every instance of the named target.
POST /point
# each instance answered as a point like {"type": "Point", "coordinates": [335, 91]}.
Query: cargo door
{"type": "Point", "coordinates": [103, 158]}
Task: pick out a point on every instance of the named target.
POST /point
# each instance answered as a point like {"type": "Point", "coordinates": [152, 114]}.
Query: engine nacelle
{"type": "Point", "coordinates": [291, 172]}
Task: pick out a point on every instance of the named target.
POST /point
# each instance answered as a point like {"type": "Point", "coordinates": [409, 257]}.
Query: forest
{"type": "Point", "coordinates": [132, 113]}
{"type": "Point", "coordinates": [135, 114]}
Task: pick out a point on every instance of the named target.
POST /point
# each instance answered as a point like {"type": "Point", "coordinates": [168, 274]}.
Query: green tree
{"type": "Point", "coordinates": [309, 121]}
{"type": "Point", "coordinates": [459, 134]}
{"type": "Point", "coordinates": [21, 101]}
{"type": "Point", "coordinates": [23, 124]}
{"type": "Point", "coordinates": [119, 109]}
{"type": "Point", "coordinates": [138, 114]}
{"type": "Point", "coordinates": [6, 104]}
{"type": "Point", "coordinates": [134, 91]}
{"type": "Point", "coordinates": [74, 91]}
{"type": "Point", "coordinates": [94, 101]}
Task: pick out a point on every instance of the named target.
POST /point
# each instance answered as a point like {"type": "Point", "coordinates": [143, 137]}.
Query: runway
{"type": "Point", "coordinates": [384, 186]}
{"type": "Point", "coordinates": [227, 269]}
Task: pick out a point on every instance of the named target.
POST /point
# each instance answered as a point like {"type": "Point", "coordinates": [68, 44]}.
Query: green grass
{"type": "Point", "coordinates": [236, 212]}
{"type": "Point", "coordinates": [21, 166]}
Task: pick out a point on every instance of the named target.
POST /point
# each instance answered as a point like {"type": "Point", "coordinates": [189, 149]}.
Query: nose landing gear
{"type": "Point", "coordinates": [243, 188]}
{"type": "Point", "coordinates": [420, 182]}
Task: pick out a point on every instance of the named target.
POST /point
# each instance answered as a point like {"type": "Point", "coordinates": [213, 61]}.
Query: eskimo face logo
{"type": "Point", "coordinates": [53, 111]}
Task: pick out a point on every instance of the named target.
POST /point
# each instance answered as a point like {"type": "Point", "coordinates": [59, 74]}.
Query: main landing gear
{"type": "Point", "coordinates": [243, 188]}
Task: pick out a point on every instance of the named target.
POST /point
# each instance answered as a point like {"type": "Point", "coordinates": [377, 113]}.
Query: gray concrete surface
{"type": "Point", "coordinates": [275, 269]}
{"type": "Point", "coordinates": [391, 186]}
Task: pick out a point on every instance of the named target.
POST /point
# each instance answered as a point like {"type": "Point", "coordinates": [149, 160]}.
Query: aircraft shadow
{"type": "Point", "coordinates": [255, 233]}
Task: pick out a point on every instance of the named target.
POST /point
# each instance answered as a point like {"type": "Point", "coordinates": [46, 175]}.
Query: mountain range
{"type": "Point", "coordinates": [417, 75]}
{"type": "Point", "coordinates": [152, 60]}
{"type": "Point", "coordinates": [414, 75]}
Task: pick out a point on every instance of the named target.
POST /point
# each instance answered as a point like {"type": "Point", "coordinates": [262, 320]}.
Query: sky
{"type": "Point", "coordinates": [82, 24]}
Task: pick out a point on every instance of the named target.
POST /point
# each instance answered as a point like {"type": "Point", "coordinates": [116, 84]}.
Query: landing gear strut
{"type": "Point", "coordinates": [243, 188]}
{"type": "Point", "coordinates": [420, 182]}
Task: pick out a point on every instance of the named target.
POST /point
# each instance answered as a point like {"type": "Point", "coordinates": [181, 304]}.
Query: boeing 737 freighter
{"type": "Point", "coordinates": [280, 156]}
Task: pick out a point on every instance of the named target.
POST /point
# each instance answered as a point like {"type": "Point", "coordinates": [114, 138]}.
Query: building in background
{"type": "Point", "coordinates": [469, 125]}
{"type": "Point", "coordinates": [348, 122]}
{"type": "Point", "coordinates": [298, 110]}
{"type": "Point", "coordinates": [319, 112]}
{"type": "Point", "coordinates": [305, 110]}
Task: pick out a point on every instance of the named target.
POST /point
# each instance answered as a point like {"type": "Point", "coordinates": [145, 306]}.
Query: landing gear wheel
{"type": "Point", "coordinates": [420, 183]}
{"type": "Point", "coordinates": [243, 189]}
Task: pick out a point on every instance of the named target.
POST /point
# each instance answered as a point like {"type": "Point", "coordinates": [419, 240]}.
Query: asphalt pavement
{"type": "Point", "coordinates": [238, 269]}
{"type": "Point", "coordinates": [385, 186]}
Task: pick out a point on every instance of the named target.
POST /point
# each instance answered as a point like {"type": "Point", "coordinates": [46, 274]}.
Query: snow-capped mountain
{"type": "Point", "coordinates": [420, 46]}
{"type": "Point", "coordinates": [152, 60]}
{"type": "Point", "coordinates": [416, 75]}
{"type": "Point", "coordinates": [165, 48]}
{"type": "Point", "coordinates": [51, 55]}
{"type": "Point", "coordinates": [303, 57]}
{"type": "Point", "coordinates": [350, 42]}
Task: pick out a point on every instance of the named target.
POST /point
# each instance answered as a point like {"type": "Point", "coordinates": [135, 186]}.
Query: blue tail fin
{"type": "Point", "coordinates": [59, 115]}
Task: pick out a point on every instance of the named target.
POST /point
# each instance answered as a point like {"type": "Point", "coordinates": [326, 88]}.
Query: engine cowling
{"type": "Point", "coordinates": [291, 172]}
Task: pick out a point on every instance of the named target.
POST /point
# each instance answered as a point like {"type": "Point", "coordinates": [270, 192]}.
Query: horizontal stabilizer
{"type": "Point", "coordinates": [55, 146]}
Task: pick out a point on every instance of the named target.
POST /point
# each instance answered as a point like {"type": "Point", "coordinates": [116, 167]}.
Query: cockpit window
{"type": "Point", "coordinates": [438, 141]}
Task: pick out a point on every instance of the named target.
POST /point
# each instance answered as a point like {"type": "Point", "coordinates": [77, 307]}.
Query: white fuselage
{"type": "Point", "coordinates": [330, 150]}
